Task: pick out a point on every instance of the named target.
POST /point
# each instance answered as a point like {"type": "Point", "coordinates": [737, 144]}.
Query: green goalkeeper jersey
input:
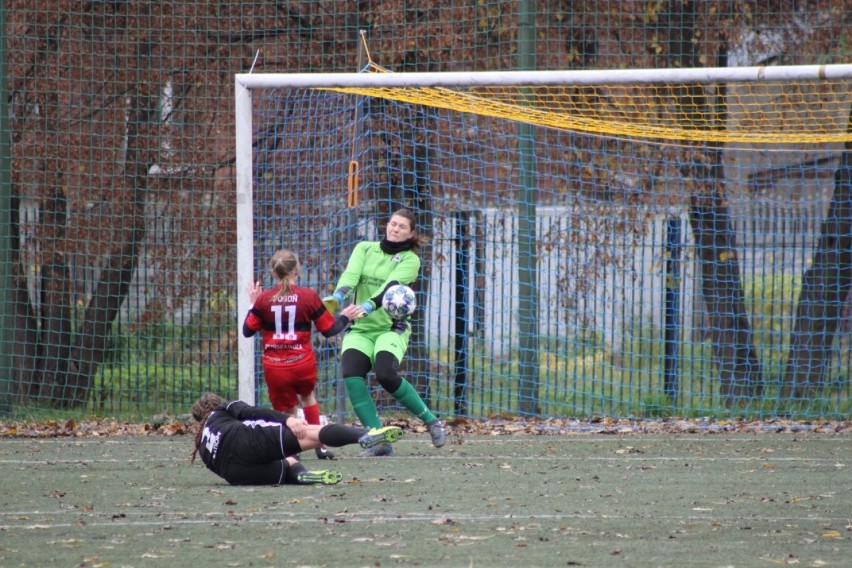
{"type": "Point", "coordinates": [368, 273]}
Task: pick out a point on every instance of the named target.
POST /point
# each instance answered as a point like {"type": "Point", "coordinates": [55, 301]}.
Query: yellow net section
{"type": "Point", "coordinates": [750, 112]}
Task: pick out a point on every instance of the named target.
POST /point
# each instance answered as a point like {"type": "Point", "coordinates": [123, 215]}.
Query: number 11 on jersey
{"type": "Point", "coordinates": [291, 322]}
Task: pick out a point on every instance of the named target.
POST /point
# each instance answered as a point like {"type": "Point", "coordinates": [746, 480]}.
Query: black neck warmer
{"type": "Point", "coordinates": [393, 248]}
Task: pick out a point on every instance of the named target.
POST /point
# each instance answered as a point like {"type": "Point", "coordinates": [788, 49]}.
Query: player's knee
{"type": "Point", "coordinates": [390, 383]}
{"type": "Point", "coordinates": [387, 371]}
{"type": "Point", "coordinates": [353, 363]}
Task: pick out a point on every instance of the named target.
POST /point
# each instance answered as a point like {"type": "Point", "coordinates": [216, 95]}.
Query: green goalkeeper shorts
{"type": "Point", "coordinates": [371, 343]}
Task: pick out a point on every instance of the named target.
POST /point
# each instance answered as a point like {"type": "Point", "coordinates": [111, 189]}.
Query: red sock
{"type": "Point", "coordinates": [312, 414]}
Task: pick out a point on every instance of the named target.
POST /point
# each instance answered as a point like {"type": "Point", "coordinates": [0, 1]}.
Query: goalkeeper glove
{"type": "Point", "coordinates": [332, 303]}
{"type": "Point", "coordinates": [367, 308]}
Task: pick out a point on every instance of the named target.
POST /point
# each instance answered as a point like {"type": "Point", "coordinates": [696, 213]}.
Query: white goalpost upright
{"type": "Point", "coordinates": [246, 84]}
{"type": "Point", "coordinates": [245, 238]}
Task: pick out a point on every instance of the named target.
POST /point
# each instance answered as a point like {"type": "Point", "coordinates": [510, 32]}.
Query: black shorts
{"type": "Point", "coordinates": [256, 456]}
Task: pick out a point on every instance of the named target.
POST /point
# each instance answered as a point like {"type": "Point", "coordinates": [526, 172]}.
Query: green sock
{"type": "Point", "coordinates": [408, 397]}
{"type": "Point", "coordinates": [362, 402]}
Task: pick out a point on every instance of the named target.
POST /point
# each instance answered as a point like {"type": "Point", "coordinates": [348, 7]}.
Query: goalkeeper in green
{"type": "Point", "coordinates": [375, 341]}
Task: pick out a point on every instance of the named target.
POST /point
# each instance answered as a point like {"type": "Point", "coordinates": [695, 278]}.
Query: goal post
{"type": "Point", "coordinates": [620, 156]}
{"type": "Point", "coordinates": [500, 94]}
{"type": "Point", "coordinates": [577, 77]}
{"type": "Point", "coordinates": [245, 240]}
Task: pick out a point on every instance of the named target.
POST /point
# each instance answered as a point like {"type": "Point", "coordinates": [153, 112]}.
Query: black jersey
{"type": "Point", "coordinates": [247, 444]}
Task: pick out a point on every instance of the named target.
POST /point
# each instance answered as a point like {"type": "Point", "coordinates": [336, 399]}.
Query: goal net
{"type": "Point", "coordinates": [620, 243]}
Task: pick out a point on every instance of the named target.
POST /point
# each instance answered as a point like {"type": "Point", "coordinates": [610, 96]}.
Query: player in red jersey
{"type": "Point", "coordinates": [285, 315]}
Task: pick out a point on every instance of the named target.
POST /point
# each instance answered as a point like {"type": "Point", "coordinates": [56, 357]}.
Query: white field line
{"type": "Point", "coordinates": [627, 444]}
{"type": "Point", "coordinates": [633, 457]}
{"type": "Point", "coordinates": [453, 440]}
{"type": "Point", "coordinates": [283, 517]}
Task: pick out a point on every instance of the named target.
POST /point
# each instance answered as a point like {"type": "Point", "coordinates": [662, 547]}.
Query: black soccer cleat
{"type": "Point", "coordinates": [324, 454]}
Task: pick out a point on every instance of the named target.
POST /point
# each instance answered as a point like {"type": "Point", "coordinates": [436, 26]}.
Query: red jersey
{"type": "Point", "coordinates": [285, 322]}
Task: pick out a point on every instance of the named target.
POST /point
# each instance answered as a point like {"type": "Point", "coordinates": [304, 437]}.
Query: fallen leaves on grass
{"type": "Point", "coordinates": [502, 425]}
{"type": "Point", "coordinates": [95, 428]}
{"type": "Point", "coordinates": [608, 425]}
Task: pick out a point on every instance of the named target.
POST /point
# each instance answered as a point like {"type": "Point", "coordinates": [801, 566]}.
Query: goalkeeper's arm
{"type": "Point", "coordinates": [349, 279]}
{"type": "Point", "coordinates": [370, 305]}
{"type": "Point", "coordinates": [332, 303]}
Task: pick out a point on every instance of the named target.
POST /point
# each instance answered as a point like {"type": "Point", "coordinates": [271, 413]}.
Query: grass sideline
{"type": "Point", "coordinates": [585, 498]}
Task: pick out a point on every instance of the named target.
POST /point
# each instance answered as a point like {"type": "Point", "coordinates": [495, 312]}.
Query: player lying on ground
{"type": "Point", "coordinates": [251, 445]}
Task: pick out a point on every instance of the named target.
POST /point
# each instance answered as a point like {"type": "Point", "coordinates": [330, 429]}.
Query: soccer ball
{"type": "Point", "coordinates": [399, 301]}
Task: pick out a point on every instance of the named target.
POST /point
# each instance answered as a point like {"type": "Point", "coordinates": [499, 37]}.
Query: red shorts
{"type": "Point", "coordinates": [284, 381]}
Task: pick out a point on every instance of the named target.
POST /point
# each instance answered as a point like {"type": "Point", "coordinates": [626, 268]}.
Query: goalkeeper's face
{"type": "Point", "coordinates": [399, 229]}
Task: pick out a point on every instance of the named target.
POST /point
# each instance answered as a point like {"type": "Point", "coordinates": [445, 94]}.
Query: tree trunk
{"type": "Point", "coordinates": [825, 290]}
{"type": "Point", "coordinates": [410, 190]}
{"type": "Point", "coordinates": [55, 302]}
{"type": "Point", "coordinates": [53, 321]}
{"type": "Point", "coordinates": [739, 368]}
{"type": "Point", "coordinates": [118, 268]}
{"type": "Point", "coordinates": [49, 365]}
{"type": "Point", "coordinates": [740, 371]}
{"type": "Point", "coordinates": [419, 371]}
{"type": "Point", "coordinates": [26, 377]}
